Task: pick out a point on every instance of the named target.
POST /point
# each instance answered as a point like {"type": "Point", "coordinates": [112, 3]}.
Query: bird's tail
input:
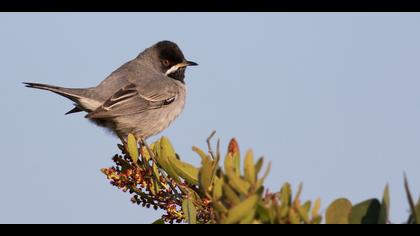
{"type": "Point", "coordinates": [68, 93]}
{"type": "Point", "coordinates": [76, 95]}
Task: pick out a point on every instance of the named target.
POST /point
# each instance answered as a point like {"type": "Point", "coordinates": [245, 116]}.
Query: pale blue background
{"type": "Point", "coordinates": [332, 99]}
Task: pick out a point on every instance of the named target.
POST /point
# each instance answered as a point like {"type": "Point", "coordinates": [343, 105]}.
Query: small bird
{"type": "Point", "coordinates": [141, 97]}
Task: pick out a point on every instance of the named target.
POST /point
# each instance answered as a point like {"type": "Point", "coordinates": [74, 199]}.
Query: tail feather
{"type": "Point", "coordinates": [79, 96]}
{"type": "Point", "coordinates": [74, 110]}
{"type": "Point", "coordinates": [68, 93]}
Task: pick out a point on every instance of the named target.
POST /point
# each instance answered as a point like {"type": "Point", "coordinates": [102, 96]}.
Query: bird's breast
{"type": "Point", "coordinates": [163, 117]}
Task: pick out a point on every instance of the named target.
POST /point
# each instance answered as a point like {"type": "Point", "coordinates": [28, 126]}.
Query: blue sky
{"type": "Point", "coordinates": [331, 99]}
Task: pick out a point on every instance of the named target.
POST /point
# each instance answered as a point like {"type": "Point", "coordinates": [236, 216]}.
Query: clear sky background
{"type": "Point", "coordinates": [332, 99]}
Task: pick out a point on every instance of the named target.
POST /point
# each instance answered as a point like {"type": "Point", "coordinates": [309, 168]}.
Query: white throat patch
{"type": "Point", "coordinates": [172, 69]}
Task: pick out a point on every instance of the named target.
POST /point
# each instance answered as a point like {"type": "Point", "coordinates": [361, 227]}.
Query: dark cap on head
{"type": "Point", "coordinates": [167, 57]}
{"type": "Point", "coordinates": [168, 50]}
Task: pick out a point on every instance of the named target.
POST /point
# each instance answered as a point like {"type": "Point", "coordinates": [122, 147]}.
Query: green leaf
{"type": "Point", "coordinates": [366, 212]}
{"type": "Point", "coordinates": [250, 174]}
{"type": "Point", "coordinates": [249, 218]}
{"type": "Point", "coordinates": [132, 148]}
{"type": "Point", "coordinates": [303, 213]}
{"type": "Point", "coordinates": [298, 193]}
{"type": "Point", "coordinates": [286, 194]}
{"type": "Point", "coordinates": [260, 182]}
{"type": "Point", "coordinates": [384, 212]}
{"type": "Point", "coordinates": [145, 152]}
{"type": "Point", "coordinates": [156, 171]}
{"type": "Point", "coordinates": [307, 206]}
{"type": "Point", "coordinates": [294, 217]}
{"type": "Point", "coordinates": [315, 209]}
{"type": "Point", "coordinates": [229, 165]}
{"type": "Point", "coordinates": [220, 207]}
{"type": "Point", "coordinates": [156, 185]}
{"type": "Point", "coordinates": [316, 220]}
{"type": "Point", "coordinates": [158, 222]}
{"type": "Point", "coordinates": [153, 188]}
{"type": "Point", "coordinates": [237, 164]}
{"type": "Point", "coordinates": [339, 212]}
{"type": "Point", "coordinates": [235, 181]}
{"type": "Point", "coordinates": [265, 214]}
{"type": "Point", "coordinates": [196, 198]}
{"type": "Point", "coordinates": [239, 185]}
{"type": "Point", "coordinates": [200, 153]}
{"type": "Point", "coordinates": [206, 174]}
{"type": "Point", "coordinates": [240, 211]}
{"type": "Point", "coordinates": [154, 148]}
{"type": "Point", "coordinates": [218, 188]}
{"type": "Point", "coordinates": [185, 170]}
{"type": "Point", "coordinates": [282, 211]}
{"type": "Point", "coordinates": [156, 179]}
{"type": "Point", "coordinates": [414, 217]}
{"type": "Point", "coordinates": [164, 151]}
{"type": "Point", "coordinates": [189, 192]}
{"type": "Point", "coordinates": [189, 210]}
{"type": "Point", "coordinates": [230, 194]}
{"type": "Point", "coordinates": [259, 165]}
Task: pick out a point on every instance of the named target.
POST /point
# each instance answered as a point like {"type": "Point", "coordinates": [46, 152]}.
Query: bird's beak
{"type": "Point", "coordinates": [187, 63]}
{"type": "Point", "coordinates": [180, 65]}
{"type": "Point", "coordinates": [191, 63]}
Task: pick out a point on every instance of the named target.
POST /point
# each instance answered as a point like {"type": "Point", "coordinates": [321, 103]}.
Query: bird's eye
{"type": "Point", "coordinates": [165, 62]}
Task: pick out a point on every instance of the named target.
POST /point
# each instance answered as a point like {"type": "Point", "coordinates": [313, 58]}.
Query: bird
{"type": "Point", "coordinates": [142, 97]}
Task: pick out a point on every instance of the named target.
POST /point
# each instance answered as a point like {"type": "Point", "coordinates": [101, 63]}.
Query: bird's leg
{"type": "Point", "coordinates": [143, 143]}
{"type": "Point", "coordinates": [145, 162]}
{"type": "Point", "coordinates": [121, 138]}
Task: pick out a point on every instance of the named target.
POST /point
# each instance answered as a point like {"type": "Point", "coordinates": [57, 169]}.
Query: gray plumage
{"type": "Point", "coordinates": [141, 97]}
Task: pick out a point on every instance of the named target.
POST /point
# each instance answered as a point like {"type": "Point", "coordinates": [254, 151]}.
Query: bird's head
{"type": "Point", "coordinates": [170, 60]}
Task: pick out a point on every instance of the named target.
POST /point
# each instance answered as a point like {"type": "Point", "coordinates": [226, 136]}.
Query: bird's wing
{"type": "Point", "coordinates": [150, 83]}
{"type": "Point", "coordinates": [130, 100]}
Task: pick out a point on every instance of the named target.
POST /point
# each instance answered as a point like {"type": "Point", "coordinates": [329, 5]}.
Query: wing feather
{"type": "Point", "coordinates": [128, 101]}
